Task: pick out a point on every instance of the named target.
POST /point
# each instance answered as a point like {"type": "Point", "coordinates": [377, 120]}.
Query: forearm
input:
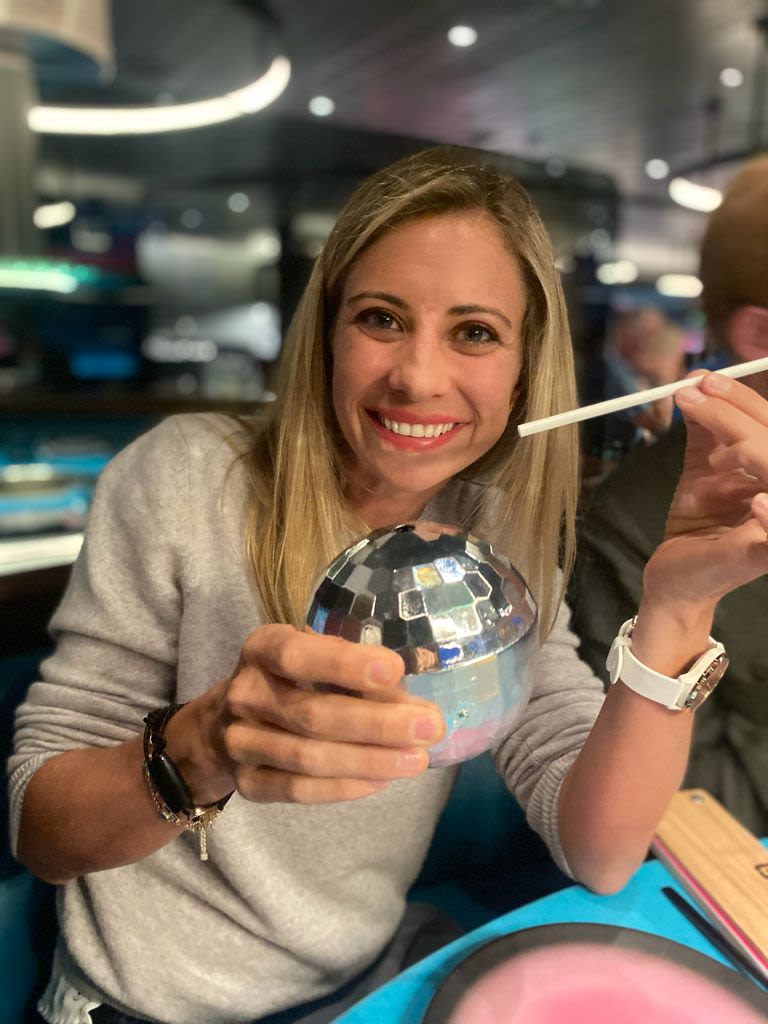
{"type": "Point", "coordinates": [85, 810]}
{"type": "Point", "coordinates": [91, 809]}
{"type": "Point", "coordinates": [633, 761]}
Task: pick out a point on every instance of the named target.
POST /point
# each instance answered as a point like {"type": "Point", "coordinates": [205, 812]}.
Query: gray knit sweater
{"type": "Point", "coordinates": [294, 900]}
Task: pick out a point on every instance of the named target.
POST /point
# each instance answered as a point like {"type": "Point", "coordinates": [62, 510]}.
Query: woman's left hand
{"type": "Point", "coordinates": [715, 539]}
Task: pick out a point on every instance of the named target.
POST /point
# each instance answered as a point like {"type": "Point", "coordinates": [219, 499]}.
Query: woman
{"type": "Point", "coordinates": [432, 324]}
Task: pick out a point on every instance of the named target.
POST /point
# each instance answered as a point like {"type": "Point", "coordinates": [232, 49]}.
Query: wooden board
{"type": "Point", "coordinates": [722, 866]}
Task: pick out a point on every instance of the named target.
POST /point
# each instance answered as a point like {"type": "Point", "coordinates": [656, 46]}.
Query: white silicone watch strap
{"type": "Point", "coordinates": [673, 693]}
{"type": "Point", "coordinates": [651, 684]}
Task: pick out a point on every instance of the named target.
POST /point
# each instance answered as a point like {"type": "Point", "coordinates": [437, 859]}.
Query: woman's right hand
{"type": "Point", "coordinates": [307, 718]}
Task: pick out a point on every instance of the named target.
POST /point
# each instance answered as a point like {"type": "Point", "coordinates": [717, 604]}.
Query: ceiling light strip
{"type": "Point", "coordinates": [172, 118]}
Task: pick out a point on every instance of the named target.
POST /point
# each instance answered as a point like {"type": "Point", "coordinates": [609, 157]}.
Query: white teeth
{"type": "Point", "coordinates": [417, 429]}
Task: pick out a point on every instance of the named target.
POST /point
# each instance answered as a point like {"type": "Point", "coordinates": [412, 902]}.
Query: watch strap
{"type": "Point", "coordinates": [169, 791]}
{"type": "Point", "coordinates": [165, 776]}
{"type": "Point", "coordinates": [647, 682]}
{"type": "Point", "coordinates": [673, 693]}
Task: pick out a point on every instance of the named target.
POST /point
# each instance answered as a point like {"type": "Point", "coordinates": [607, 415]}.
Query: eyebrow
{"type": "Point", "coordinates": [384, 296]}
{"type": "Point", "coordinates": [465, 310]}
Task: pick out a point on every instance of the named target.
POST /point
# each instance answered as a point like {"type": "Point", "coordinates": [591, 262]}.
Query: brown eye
{"type": "Point", "coordinates": [378, 319]}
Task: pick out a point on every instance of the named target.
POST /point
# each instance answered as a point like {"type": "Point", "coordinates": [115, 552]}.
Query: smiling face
{"type": "Point", "coordinates": [426, 357]}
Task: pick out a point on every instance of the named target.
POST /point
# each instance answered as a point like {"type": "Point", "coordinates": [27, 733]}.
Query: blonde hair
{"type": "Point", "coordinates": [299, 519]}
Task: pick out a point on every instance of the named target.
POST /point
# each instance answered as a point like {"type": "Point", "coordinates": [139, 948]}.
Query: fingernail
{"type": "Point", "coordinates": [691, 394]}
{"type": "Point", "coordinates": [425, 728]}
{"type": "Point", "coordinates": [379, 673]}
{"type": "Point", "coordinates": [718, 383]}
{"type": "Point", "coordinates": [761, 500]}
{"type": "Point", "coordinates": [412, 761]}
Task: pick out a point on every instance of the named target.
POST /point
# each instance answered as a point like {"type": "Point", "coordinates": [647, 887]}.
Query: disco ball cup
{"type": "Point", "coordinates": [456, 611]}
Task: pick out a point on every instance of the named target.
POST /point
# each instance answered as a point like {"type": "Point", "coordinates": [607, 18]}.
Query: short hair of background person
{"type": "Point", "coordinates": [294, 478]}
{"type": "Point", "coordinates": [624, 518]}
{"type": "Point", "coordinates": [734, 264]}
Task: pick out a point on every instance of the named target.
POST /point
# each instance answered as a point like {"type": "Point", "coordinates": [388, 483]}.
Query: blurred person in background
{"type": "Point", "coordinates": [644, 349]}
{"type": "Point", "coordinates": [181, 692]}
{"type": "Point", "coordinates": [623, 521]}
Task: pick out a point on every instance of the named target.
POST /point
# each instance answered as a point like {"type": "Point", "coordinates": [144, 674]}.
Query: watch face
{"type": "Point", "coordinates": [707, 682]}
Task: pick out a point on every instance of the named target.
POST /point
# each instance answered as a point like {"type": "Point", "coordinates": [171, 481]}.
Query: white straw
{"type": "Point", "coordinates": [588, 412]}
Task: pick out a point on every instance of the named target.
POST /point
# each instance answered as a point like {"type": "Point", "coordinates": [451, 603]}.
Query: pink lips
{"type": "Point", "coordinates": [405, 442]}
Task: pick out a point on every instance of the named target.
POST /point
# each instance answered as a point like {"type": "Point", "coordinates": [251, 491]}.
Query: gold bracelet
{"type": "Point", "coordinates": [168, 789]}
{"type": "Point", "coordinates": [199, 819]}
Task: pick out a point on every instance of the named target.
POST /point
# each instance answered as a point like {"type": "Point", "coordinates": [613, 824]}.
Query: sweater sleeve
{"type": "Point", "coordinates": [535, 756]}
{"type": "Point", "coordinates": [116, 629]}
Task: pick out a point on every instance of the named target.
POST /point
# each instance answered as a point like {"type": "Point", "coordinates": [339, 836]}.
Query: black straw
{"type": "Point", "coordinates": [734, 956]}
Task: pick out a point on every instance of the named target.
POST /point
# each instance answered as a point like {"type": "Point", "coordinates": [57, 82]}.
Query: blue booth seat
{"type": "Point", "coordinates": [484, 859]}
{"type": "Point", "coordinates": [27, 916]}
{"type": "Point", "coordinates": [27, 937]}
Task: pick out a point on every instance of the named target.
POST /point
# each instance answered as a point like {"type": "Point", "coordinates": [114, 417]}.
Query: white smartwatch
{"type": "Point", "coordinates": [689, 690]}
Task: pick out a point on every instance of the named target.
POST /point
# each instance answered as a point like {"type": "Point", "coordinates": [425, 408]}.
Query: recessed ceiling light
{"type": "Point", "coordinates": [90, 239]}
{"type": "Point", "coordinates": [600, 238]}
{"type": "Point", "coordinates": [657, 169]}
{"type": "Point", "coordinates": [54, 215]}
{"type": "Point", "coordinates": [185, 324]}
{"type": "Point", "coordinates": [732, 78]}
{"type": "Point", "coordinates": [462, 35]}
{"type": "Point", "coordinates": [321, 106]}
{"type": "Point", "coordinates": [679, 286]}
{"type": "Point", "coordinates": [617, 272]}
{"type": "Point", "coordinates": [694, 197]}
{"type": "Point", "coordinates": [191, 218]}
{"type": "Point", "coordinates": [555, 167]}
{"type": "Point", "coordinates": [263, 247]}
{"type": "Point", "coordinates": [238, 202]}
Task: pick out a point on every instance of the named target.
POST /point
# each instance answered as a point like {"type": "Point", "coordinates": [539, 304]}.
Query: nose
{"type": "Point", "coordinates": [420, 367]}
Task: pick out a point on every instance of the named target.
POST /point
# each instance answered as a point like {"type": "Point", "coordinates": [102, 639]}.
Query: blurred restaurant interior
{"type": "Point", "coordinates": [169, 170]}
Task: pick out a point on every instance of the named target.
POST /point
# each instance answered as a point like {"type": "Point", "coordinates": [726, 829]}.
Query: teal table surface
{"type": "Point", "coordinates": [641, 905]}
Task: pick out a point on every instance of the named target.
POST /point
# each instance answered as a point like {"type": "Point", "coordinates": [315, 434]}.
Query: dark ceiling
{"type": "Point", "coordinates": [602, 85]}
{"type": "Point", "coordinates": [605, 83]}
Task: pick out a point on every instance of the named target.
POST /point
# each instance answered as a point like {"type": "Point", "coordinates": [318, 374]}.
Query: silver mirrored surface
{"type": "Point", "coordinates": [456, 611]}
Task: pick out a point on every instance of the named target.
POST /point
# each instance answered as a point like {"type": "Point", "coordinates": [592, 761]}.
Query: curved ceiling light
{"type": "Point", "coordinates": [695, 197]}
{"type": "Point", "coordinates": [172, 118]}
